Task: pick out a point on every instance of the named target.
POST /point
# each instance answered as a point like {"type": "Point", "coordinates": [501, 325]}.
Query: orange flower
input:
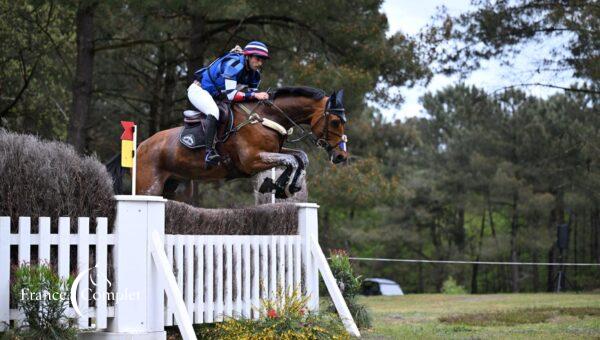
{"type": "Point", "coordinates": [271, 313]}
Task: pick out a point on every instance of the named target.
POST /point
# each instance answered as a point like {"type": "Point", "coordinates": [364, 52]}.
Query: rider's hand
{"type": "Point", "coordinates": [261, 96]}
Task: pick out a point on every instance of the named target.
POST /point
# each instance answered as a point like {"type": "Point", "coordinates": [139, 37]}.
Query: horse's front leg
{"type": "Point", "coordinates": [302, 158]}
{"type": "Point", "coordinates": [271, 160]}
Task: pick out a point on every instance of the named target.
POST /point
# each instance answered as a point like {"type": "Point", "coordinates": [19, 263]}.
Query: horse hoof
{"type": "Point", "coordinates": [294, 189]}
{"type": "Point", "coordinates": [266, 186]}
{"type": "Point", "coordinates": [281, 194]}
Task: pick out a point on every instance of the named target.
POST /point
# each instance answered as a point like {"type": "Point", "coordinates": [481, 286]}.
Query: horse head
{"type": "Point", "coordinates": [329, 127]}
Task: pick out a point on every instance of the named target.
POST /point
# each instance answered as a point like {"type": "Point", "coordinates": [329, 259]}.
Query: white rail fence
{"type": "Point", "coordinates": [239, 272]}
{"type": "Point", "coordinates": [206, 278]}
{"type": "Point", "coordinates": [54, 249]}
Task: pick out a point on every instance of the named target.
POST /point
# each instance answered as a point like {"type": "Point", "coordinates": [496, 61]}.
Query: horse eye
{"type": "Point", "coordinates": [335, 123]}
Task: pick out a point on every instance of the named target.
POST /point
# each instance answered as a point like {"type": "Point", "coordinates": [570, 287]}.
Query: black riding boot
{"type": "Point", "coordinates": [212, 157]}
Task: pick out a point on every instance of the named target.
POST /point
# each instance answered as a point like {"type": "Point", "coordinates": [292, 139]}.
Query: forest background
{"type": "Point", "coordinates": [483, 176]}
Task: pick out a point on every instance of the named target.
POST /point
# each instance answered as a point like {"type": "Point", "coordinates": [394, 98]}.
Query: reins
{"type": "Point", "coordinates": [322, 142]}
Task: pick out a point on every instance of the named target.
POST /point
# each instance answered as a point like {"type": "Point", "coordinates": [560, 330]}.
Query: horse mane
{"type": "Point", "coordinates": [299, 91]}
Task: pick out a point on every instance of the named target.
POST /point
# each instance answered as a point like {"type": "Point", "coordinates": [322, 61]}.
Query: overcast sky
{"type": "Point", "coordinates": [410, 17]}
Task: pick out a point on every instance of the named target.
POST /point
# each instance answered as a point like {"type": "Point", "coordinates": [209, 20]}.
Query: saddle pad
{"type": "Point", "coordinates": [192, 135]}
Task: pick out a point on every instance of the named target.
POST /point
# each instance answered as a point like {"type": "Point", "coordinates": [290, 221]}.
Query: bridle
{"type": "Point", "coordinates": [320, 142]}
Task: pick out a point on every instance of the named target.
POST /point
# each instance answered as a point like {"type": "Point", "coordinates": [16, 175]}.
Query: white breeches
{"type": "Point", "coordinates": [202, 100]}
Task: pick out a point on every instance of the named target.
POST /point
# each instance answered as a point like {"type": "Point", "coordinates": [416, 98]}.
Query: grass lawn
{"type": "Point", "coordinates": [496, 316]}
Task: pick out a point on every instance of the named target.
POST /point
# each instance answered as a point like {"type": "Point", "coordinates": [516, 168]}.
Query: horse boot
{"type": "Point", "coordinates": [212, 156]}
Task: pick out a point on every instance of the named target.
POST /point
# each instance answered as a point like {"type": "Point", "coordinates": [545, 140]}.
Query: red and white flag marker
{"type": "Point", "coordinates": [128, 147]}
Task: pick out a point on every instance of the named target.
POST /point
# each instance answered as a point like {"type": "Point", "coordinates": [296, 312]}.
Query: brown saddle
{"type": "Point", "coordinates": [192, 133]}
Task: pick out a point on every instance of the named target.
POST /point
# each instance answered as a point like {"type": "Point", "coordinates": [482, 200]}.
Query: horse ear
{"type": "Point", "coordinates": [339, 98]}
{"type": "Point", "coordinates": [332, 97]}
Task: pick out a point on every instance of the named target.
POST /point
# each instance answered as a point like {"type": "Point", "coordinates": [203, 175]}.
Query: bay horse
{"type": "Point", "coordinates": [250, 149]}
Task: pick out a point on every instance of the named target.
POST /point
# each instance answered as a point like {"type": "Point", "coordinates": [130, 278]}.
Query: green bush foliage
{"type": "Point", "coordinates": [43, 298]}
{"type": "Point", "coordinates": [451, 287]}
{"type": "Point", "coordinates": [349, 284]}
{"type": "Point", "coordinates": [284, 317]}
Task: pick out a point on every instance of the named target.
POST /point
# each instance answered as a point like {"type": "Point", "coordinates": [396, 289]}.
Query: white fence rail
{"type": "Point", "coordinates": [55, 249]}
{"type": "Point", "coordinates": [227, 275]}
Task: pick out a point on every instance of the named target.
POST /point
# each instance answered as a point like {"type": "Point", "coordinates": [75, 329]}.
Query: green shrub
{"type": "Point", "coordinates": [285, 317]}
{"type": "Point", "coordinates": [451, 287]}
{"type": "Point", "coordinates": [43, 298]}
{"type": "Point", "coordinates": [350, 285]}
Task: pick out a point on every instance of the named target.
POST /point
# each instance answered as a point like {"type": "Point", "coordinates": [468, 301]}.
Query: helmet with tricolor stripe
{"type": "Point", "coordinates": [257, 48]}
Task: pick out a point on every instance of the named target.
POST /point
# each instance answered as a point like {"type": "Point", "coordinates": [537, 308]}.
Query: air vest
{"type": "Point", "coordinates": [230, 66]}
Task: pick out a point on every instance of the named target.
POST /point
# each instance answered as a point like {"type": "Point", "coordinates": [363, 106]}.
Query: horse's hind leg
{"type": "Point", "coordinates": [151, 182]}
{"type": "Point", "coordinates": [179, 190]}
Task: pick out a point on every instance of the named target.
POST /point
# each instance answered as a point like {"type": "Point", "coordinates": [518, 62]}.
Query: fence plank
{"type": "Point", "coordinates": [44, 246]}
{"type": "Point", "coordinates": [228, 279]}
{"type": "Point", "coordinates": [170, 243]}
{"type": "Point", "coordinates": [219, 281]}
{"type": "Point", "coordinates": [281, 265]}
{"type": "Point", "coordinates": [24, 239]}
{"type": "Point", "coordinates": [298, 264]}
{"type": "Point", "coordinates": [83, 263]}
{"type": "Point", "coordinates": [237, 250]}
{"type": "Point", "coordinates": [209, 271]}
{"type": "Point", "coordinates": [264, 269]}
{"type": "Point", "coordinates": [189, 275]}
{"type": "Point", "coordinates": [272, 267]}
{"type": "Point", "coordinates": [64, 261]}
{"type": "Point", "coordinates": [4, 271]}
{"type": "Point", "coordinates": [199, 303]}
{"type": "Point", "coordinates": [179, 242]}
{"type": "Point", "coordinates": [247, 301]}
{"type": "Point", "coordinates": [289, 267]}
{"type": "Point", "coordinates": [256, 248]}
{"type": "Point", "coordinates": [101, 272]}
{"type": "Point", "coordinates": [164, 271]}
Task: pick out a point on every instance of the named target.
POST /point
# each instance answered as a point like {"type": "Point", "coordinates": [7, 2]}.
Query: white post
{"type": "Point", "coordinates": [139, 293]}
{"type": "Point", "coordinates": [273, 178]}
{"type": "Point", "coordinates": [4, 271]}
{"type": "Point", "coordinates": [134, 169]}
{"type": "Point", "coordinates": [308, 228]}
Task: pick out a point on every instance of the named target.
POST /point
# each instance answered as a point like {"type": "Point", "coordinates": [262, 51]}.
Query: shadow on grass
{"type": "Point", "coordinates": [519, 316]}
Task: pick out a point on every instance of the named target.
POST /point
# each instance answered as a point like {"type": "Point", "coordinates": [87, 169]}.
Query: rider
{"type": "Point", "coordinates": [224, 79]}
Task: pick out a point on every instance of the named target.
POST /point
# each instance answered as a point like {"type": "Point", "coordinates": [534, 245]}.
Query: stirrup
{"type": "Point", "coordinates": [212, 158]}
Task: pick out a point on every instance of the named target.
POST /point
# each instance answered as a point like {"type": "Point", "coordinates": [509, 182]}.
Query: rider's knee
{"type": "Point", "coordinates": [213, 111]}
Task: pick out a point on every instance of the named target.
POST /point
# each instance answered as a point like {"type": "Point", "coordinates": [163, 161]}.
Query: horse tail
{"type": "Point", "coordinates": [116, 171]}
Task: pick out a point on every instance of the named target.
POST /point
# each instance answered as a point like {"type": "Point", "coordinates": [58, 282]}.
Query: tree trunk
{"type": "Point", "coordinates": [460, 234]}
{"type": "Point", "coordinates": [154, 113]}
{"type": "Point", "coordinates": [513, 246]}
{"type": "Point", "coordinates": [168, 101]}
{"type": "Point", "coordinates": [557, 216]}
{"type": "Point", "coordinates": [476, 266]}
{"type": "Point", "coordinates": [197, 45]}
{"type": "Point", "coordinates": [595, 239]}
{"type": "Point", "coordinates": [536, 273]}
{"type": "Point", "coordinates": [82, 84]}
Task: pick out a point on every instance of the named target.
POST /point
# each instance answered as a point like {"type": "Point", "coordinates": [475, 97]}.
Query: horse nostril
{"type": "Point", "coordinates": [339, 158]}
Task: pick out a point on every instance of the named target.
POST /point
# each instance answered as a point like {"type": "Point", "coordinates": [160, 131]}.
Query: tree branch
{"type": "Point", "coordinates": [27, 79]}
{"type": "Point", "coordinates": [570, 89]}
